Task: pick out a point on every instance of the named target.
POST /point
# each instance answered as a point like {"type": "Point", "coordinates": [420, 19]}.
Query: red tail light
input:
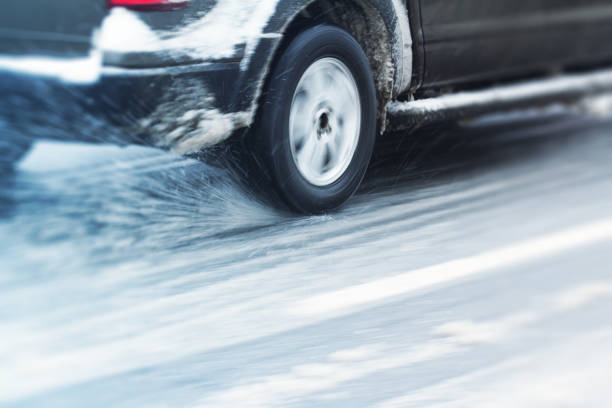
{"type": "Point", "coordinates": [149, 5]}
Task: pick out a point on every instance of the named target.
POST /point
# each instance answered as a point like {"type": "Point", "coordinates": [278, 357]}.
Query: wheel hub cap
{"type": "Point", "coordinates": [325, 121]}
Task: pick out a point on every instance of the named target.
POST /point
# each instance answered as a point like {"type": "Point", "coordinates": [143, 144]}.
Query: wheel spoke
{"type": "Point", "coordinates": [333, 148]}
{"type": "Point", "coordinates": [345, 98]}
{"type": "Point", "coordinates": [305, 154]}
{"type": "Point", "coordinates": [300, 133]}
{"type": "Point", "coordinates": [318, 158]}
{"type": "Point", "coordinates": [319, 83]}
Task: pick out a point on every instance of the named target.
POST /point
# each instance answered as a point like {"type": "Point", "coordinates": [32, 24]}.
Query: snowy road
{"type": "Point", "coordinates": [473, 269]}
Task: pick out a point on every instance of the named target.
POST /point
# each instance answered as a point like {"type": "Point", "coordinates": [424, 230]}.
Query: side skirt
{"type": "Point", "coordinates": [404, 115]}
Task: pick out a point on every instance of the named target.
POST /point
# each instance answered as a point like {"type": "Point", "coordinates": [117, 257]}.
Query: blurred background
{"type": "Point", "coordinates": [472, 268]}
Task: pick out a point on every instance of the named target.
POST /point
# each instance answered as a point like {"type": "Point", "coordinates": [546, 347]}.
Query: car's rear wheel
{"type": "Point", "coordinates": [317, 124]}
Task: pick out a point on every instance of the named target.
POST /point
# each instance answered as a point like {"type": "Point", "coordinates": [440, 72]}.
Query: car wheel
{"type": "Point", "coordinates": [316, 127]}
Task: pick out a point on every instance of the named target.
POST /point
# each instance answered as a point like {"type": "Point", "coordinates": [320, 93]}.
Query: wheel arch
{"type": "Point", "coordinates": [371, 22]}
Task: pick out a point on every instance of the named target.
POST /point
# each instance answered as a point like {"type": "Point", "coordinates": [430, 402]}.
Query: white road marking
{"type": "Point", "coordinates": [511, 255]}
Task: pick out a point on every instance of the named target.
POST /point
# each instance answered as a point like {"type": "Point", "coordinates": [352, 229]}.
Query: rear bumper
{"type": "Point", "coordinates": [132, 88]}
{"type": "Point", "coordinates": [184, 108]}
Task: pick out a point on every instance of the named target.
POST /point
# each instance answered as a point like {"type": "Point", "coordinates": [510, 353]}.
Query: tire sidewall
{"type": "Point", "coordinates": [308, 47]}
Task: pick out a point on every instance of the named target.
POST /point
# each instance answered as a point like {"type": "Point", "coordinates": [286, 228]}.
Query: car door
{"type": "Point", "coordinates": [478, 40]}
{"type": "Point", "coordinates": [49, 27]}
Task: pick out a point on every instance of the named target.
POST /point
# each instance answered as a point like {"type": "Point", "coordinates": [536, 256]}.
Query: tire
{"type": "Point", "coordinates": [316, 127]}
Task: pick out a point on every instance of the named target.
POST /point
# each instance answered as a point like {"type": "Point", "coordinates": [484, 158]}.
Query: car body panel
{"type": "Point", "coordinates": [479, 40]}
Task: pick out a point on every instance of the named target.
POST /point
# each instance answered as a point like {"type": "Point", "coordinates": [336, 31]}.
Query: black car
{"type": "Point", "coordinates": [308, 84]}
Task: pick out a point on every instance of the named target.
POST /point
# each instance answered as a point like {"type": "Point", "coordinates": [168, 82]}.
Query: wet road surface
{"type": "Point", "coordinates": [472, 269]}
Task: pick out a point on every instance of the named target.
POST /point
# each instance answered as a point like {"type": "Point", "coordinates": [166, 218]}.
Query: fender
{"type": "Point", "coordinates": [392, 12]}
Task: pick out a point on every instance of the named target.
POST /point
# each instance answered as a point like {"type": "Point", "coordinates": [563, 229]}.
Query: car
{"type": "Point", "coordinates": [306, 85]}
